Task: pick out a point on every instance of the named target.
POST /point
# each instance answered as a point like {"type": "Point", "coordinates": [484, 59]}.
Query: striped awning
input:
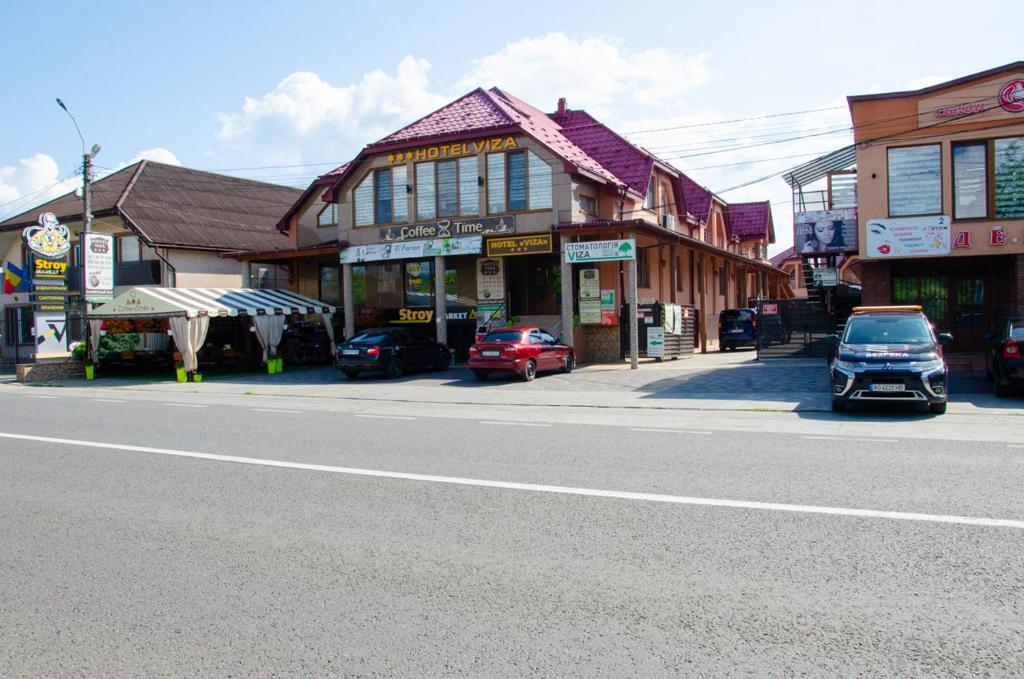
{"type": "Point", "coordinates": [157, 302]}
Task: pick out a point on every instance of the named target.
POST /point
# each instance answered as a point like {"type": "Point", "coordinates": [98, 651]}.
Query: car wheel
{"type": "Point", "coordinates": [530, 370]}
{"type": "Point", "coordinates": [937, 408]}
{"type": "Point", "coordinates": [481, 375]}
{"type": "Point", "coordinates": [1002, 389]}
{"type": "Point", "coordinates": [394, 369]}
{"type": "Point", "coordinates": [838, 406]}
{"type": "Point", "coordinates": [570, 363]}
{"type": "Point", "coordinates": [351, 374]}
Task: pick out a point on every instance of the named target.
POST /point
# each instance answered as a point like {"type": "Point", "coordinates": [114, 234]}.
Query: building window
{"type": "Point", "coordinates": [19, 326]}
{"type": "Point", "coordinates": [419, 284]}
{"type": "Point", "coordinates": [400, 194]}
{"type": "Point", "coordinates": [447, 189]}
{"type": "Point", "coordinates": [426, 191]}
{"type": "Point", "coordinates": [330, 284]}
{"type": "Point", "coordinates": [643, 268]}
{"type": "Point", "coordinates": [382, 196]}
{"type": "Point", "coordinates": [649, 199]}
{"type": "Point", "coordinates": [516, 181]}
{"type": "Point", "coordinates": [915, 180]}
{"type": "Point", "coordinates": [970, 181]}
{"type": "Point", "coordinates": [269, 276]}
{"type": "Point", "coordinates": [1009, 177]}
{"type": "Point", "coordinates": [328, 216]}
{"type": "Point", "coordinates": [128, 249]}
{"type": "Point", "coordinates": [495, 182]}
{"type": "Point", "coordinates": [469, 188]}
{"type": "Point", "coordinates": [362, 199]}
{"type": "Point", "coordinates": [588, 205]}
{"type": "Point", "coordinates": [540, 182]}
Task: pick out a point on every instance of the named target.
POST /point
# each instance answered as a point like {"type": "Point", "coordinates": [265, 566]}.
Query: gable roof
{"type": "Point", "coordinates": [475, 111]}
{"type": "Point", "coordinates": [172, 206]}
{"type": "Point", "coordinates": [787, 255]}
{"type": "Point", "coordinates": [318, 185]}
{"type": "Point", "coordinates": [698, 199]}
{"type": "Point", "coordinates": [1006, 68]}
{"type": "Point", "coordinates": [630, 164]}
{"type": "Point", "coordinates": [750, 220]}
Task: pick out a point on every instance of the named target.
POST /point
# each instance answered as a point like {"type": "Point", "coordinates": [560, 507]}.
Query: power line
{"type": "Point", "coordinates": [736, 120]}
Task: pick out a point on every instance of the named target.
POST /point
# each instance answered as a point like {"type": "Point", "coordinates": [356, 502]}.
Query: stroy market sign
{"type": "Point", "coordinates": [454, 150]}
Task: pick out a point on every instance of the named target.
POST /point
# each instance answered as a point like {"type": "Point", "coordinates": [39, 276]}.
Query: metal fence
{"type": "Point", "coordinates": [793, 328]}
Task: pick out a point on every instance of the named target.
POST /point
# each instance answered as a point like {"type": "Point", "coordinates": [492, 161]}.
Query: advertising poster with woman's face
{"type": "Point", "coordinates": [826, 231]}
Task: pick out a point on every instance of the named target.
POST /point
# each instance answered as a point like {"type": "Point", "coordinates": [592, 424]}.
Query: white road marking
{"type": "Point", "coordinates": [849, 438]}
{"type": "Point", "coordinates": [670, 431]}
{"type": "Point", "coordinates": [387, 417]}
{"type": "Point", "coordinates": [1013, 445]}
{"type": "Point", "coordinates": [38, 396]}
{"type": "Point", "coordinates": [541, 488]}
{"type": "Point", "coordinates": [274, 410]}
{"type": "Point", "coordinates": [824, 438]}
{"type": "Point", "coordinates": [108, 400]}
{"type": "Point", "coordinates": [184, 405]}
{"type": "Point", "coordinates": [515, 424]}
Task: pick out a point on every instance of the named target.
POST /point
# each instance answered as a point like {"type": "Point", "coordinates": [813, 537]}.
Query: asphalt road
{"type": "Point", "coordinates": [150, 559]}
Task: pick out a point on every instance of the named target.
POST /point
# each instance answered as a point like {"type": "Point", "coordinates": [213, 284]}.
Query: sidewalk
{"type": "Point", "coordinates": [719, 382]}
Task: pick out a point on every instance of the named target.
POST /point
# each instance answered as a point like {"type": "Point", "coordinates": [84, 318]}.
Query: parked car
{"type": "Point", "coordinates": [737, 328]}
{"type": "Point", "coordinates": [889, 354]}
{"type": "Point", "coordinates": [1006, 356]}
{"type": "Point", "coordinates": [525, 351]}
{"type": "Point", "coordinates": [393, 351]}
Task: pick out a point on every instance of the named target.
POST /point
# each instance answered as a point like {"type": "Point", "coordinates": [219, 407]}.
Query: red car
{"type": "Point", "coordinates": [522, 350]}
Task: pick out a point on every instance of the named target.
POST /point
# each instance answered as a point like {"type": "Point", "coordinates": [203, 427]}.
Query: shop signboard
{"type": "Point", "coordinates": [825, 277]}
{"type": "Point", "coordinates": [590, 297]}
{"type": "Point", "coordinates": [407, 316]}
{"type": "Point", "coordinates": [824, 231]}
{"type": "Point", "coordinates": [608, 307]}
{"type": "Point", "coordinates": [416, 249]}
{"type": "Point", "coordinates": [908, 237]}
{"type": "Point", "coordinates": [600, 251]}
{"type": "Point", "coordinates": [519, 245]}
{"type": "Point", "coordinates": [655, 342]}
{"type": "Point", "coordinates": [490, 279]}
{"type": "Point", "coordinates": [49, 243]}
{"type": "Point", "coordinates": [98, 279]}
{"type": "Point", "coordinates": [456, 149]}
{"type": "Point", "coordinates": [490, 314]}
{"type": "Point", "coordinates": [449, 228]}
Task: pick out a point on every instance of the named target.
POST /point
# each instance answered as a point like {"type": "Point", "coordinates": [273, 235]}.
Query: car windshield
{"type": "Point", "coordinates": [738, 315]}
{"type": "Point", "coordinates": [888, 330]}
{"type": "Point", "coordinates": [369, 338]}
{"type": "Point", "coordinates": [1017, 329]}
{"type": "Point", "coordinates": [504, 336]}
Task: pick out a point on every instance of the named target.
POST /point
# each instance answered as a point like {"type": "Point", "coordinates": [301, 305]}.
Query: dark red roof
{"type": "Point", "coordinates": [629, 163]}
{"type": "Point", "coordinates": [787, 255]}
{"type": "Point", "coordinates": [750, 220]}
{"type": "Point", "coordinates": [698, 199]}
{"type": "Point", "coordinates": [476, 111]}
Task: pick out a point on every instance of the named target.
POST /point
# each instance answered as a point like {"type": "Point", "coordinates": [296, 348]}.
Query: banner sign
{"type": "Point", "coordinates": [590, 297]}
{"type": "Point", "coordinates": [51, 331]}
{"type": "Point", "coordinates": [655, 342]}
{"type": "Point", "coordinates": [908, 237]}
{"type": "Point", "coordinates": [519, 245]}
{"type": "Point", "coordinates": [48, 244]}
{"type": "Point", "coordinates": [417, 249]}
{"type": "Point", "coordinates": [600, 251]}
{"type": "Point", "coordinates": [490, 280]}
{"type": "Point", "coordinates": [449, 228]}
{"type": "Point", "coordinates": [98, 253]}
{"type": "Point", "coordinates": [826, 277]}
{"type": "Point", "coordinates": [825, 231]}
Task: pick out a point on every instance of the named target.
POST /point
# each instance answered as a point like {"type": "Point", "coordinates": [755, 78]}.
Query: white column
{"type": "Point", "coordinates": [348, 301]}
{"type": "Point", "coordinates": [568, 331]}
{"type": "Point", "coordinates": [440, 301]}
{"type": "Point", "coordinates": [634, 339]}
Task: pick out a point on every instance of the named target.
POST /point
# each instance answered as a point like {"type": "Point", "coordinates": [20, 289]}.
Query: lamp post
{"type": "Point", "coordinates": [86, 205]}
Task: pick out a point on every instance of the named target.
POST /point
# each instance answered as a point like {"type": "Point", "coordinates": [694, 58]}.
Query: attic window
{"type": "Point", "coordinates": [649, 200]}
{"type": "Point", "coordinates": [328, 216]}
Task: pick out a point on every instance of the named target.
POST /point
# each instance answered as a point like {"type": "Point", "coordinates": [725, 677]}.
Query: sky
{"type": "Point", "coordinates": [283, 92]}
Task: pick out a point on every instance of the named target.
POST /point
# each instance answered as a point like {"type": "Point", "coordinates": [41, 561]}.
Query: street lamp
{"type": "Point", "coordinates": [86, 204]}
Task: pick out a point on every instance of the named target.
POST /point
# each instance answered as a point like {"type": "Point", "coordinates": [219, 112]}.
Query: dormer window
{"type": "Point", "coordinates": [649, 200]}
{"type": "Point", "coordinates": [328, 216]}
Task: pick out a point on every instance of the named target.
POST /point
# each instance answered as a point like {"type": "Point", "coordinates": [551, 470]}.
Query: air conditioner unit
{"type": "Point", "coordinates": [670, 222]}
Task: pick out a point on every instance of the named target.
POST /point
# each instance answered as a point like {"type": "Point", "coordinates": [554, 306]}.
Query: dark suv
{"type": "Point", "coordinates": [889, 354]}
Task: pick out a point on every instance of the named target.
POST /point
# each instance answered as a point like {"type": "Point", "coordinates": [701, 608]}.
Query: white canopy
{"type": "Point", "coordinates": [158, 302]}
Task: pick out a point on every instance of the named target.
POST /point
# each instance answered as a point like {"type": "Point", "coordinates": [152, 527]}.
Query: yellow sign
{"type": "Point", "coordinates": [453, 150]}
{"type": "Point", "coordinates": [414, 316]}
{"type": "Point", "coordinates": [519, 245]}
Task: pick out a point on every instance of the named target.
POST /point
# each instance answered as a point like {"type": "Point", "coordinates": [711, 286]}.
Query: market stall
{"type": "Point", "coordinates": [201, 323]}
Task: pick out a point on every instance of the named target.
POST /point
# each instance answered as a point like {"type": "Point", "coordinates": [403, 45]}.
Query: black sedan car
{"type": "Point", "coordinates": [1006, 357]}
{"type": "Point", "coordinates": [393, 351]}
{"type": "Point", "coordinates": [889, 354]}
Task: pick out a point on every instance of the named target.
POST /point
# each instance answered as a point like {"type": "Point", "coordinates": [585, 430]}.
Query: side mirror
{"type": "Point", "coordinates": [832, 339]}
{"type": "Point", "coordinates": [945, 338]}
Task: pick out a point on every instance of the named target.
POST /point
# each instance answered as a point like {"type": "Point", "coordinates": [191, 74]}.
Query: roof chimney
{"type": "Point", "coordinates": [561, 106]}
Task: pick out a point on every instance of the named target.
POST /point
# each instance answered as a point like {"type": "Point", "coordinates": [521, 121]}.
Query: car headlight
{"type": "Point", "coordinates": [848, 366]}
{"type": "Point", "coordinates": [929, 366]}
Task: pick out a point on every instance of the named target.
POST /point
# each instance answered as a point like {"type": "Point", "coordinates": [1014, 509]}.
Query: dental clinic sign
{"type": "Point", "coordinates": [600, 251]}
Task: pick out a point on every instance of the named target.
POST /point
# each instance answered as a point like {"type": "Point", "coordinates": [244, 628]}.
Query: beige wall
{"type": "Point", "coordinates": [199, 269]}
{"type": "Point", "coordinates": [901, 118]}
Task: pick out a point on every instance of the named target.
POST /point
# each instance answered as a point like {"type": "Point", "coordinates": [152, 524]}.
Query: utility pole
{"type": "Point", "coordinates": [86, 206]}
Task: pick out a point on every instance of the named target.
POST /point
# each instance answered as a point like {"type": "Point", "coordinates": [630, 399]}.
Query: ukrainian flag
{"type": "Point", "coordinates": [14, 279]}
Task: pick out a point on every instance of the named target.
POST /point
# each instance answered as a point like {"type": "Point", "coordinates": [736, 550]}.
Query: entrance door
{"type": "Point", "coordinates": [971, 314]}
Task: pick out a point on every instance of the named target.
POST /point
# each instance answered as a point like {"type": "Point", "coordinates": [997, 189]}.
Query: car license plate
{"type": "Point", "coordinates": [888, 387]}
{"type": "Point", "coordinates": [350, 352]}
{"type": "Point", "coordinates": [736, 330]}
{"type": "Point", "coordinates": [490, 354]}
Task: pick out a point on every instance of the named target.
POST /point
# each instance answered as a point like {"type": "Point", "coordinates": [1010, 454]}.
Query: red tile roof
{"type": "Point", "coordinates": [750, 220]}
{"type": "Point", "coordinates": [476, 111]}
{"type": "Point", "coordinates": [630, 164]}
{"type": "Point", "coordinates": [787, 255]}
{"type": "Point", "coordinates": [698, 199]}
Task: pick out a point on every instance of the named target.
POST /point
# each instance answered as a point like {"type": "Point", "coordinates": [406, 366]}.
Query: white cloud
{"type": "Point", "coordinates": [307, 118]}
{"type": "Point", "coordinates": [159, 154]}
{"type": "Point", "coordinates": [927, 81]}
{"type": "Point", "coordinates": [32, 181]}
{"type": "Point", "coordinates": [595, 73]}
